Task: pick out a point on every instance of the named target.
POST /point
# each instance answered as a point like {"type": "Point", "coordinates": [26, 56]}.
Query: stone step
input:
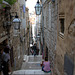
{"type": "Point", "coordinates": [37, 58]}
{"type": "Point", "coordinates": [30, 72]}
{"type": "Point", "coordinates": [36, 55]}
{"type": "Point", "coordinates": [31, 58]}
{"type": "Point", "coordinates": [31, 65]}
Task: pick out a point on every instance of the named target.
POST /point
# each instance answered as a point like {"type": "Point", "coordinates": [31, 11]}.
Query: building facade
{"type": "Point", "coordinates": [58, 18]}
{"type": "Point", "coordinates": [22, 38]}
{"type": "Point", "coordinates": [50, 29]}
{"type": "Point", "coordinates": [3, 29]}
{"type": "Point", "coordinates": [27, 32]}
{"type": "Point", "coordinates": [6, 26]}
{"type": "Point", "coordinates": [65, 38]}
{"type": "Point", "coordinates": [16, 38]}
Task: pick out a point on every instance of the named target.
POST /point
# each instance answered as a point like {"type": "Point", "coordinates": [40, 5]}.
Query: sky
{"type": "Point", "coordinates": [31, 4]}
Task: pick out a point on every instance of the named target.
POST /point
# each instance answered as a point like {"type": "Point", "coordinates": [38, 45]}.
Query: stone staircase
{"type": "Point", "coordinates": [31, 66]}
{"type": "Point", "coordinates": [30, 72]}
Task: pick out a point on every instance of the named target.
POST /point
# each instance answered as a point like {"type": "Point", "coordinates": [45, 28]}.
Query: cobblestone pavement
{"type": "Point", "coordinates": [31, 67]}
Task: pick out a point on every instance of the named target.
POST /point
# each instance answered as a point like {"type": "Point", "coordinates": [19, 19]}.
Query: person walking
{"type": "Point", "coordinates": [6, 63]}
{"type": "Point", "coordinates": [34, 48]}
{"type": "Point", "coordinates": [31, 50]}
{"type": "Point", "coordinates": [4, 59]}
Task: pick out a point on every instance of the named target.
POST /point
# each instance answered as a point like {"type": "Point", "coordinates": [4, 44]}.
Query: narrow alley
{"type": "Point", "coordinates": [37, 37]}
{"type": "Point", "coordinates": [31, 66]}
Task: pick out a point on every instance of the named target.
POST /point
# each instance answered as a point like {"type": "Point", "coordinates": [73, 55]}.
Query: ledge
{"type": "Point", "coordinates": [61, 35]}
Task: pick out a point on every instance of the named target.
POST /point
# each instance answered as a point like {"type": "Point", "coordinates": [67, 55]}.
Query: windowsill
{"type": "Point", "coordinates": [61, 35]}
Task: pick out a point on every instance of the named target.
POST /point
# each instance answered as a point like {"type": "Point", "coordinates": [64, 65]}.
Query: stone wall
{"type": "Point", "coordinates": [27, 36]}
{"type": "Point", "coordinates": [16, 40]}
{"type": "Point", "coordinates": [50, 23]}
{"type": "Point", "coordinates": [59, 43]}
{"type": "Point", "coordinates": [66, 41]}
{"type": "Point", "coordinates": [17, 43]}
{"type": "Point", "coordinates": [3, 30]}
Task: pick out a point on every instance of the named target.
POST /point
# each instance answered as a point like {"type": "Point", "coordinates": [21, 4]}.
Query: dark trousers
{"type": "Point", "coordinates": [44, 70]}
{"type": "Point", "coordinates": [5, 72]}
{"type": "Point", "coordinates": [34, 52]}
{"type": "Point", "coordinates": [5, 68]}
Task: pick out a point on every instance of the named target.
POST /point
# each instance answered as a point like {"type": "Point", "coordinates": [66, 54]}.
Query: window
{"type": "Point", "coordinates": [62, 25]}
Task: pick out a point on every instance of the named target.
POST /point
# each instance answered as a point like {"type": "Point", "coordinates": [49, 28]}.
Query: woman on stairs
{"type": "Point", "coordinates": [46, 65]}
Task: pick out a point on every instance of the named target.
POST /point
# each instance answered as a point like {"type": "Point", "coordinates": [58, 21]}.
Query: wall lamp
{"type": "Point", "coordinates": [38, 8]}
{"type": "Point", "coordinates": [16, 22]}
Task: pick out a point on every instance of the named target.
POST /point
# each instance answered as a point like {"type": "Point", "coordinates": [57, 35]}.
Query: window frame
{"type": "Point", "coordinates": [61, 34]}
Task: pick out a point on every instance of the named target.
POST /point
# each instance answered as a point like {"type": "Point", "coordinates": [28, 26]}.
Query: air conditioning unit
{"type": "Point", "coordinates": [53, 0]}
